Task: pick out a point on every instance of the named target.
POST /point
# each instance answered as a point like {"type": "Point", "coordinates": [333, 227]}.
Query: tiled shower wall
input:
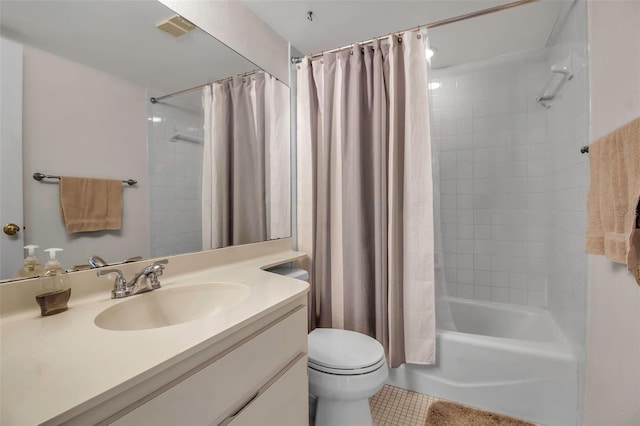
{"type": "Point", "coordinates": [568, 126]}
{"type": "Point", "coordinates": [490, 139]}
{"type": "Point", "coordinates": [175, 174]}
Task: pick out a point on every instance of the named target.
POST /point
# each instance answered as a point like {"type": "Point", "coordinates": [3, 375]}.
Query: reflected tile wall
{"type": "Point", "coordinates": [175, 174]}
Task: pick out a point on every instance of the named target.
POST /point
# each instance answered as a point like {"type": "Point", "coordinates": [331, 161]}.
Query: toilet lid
{"type": "Point", "coordinates": [344, 352]}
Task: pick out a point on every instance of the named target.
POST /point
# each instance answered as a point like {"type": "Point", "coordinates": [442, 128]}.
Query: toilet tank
{"type": "Point", "coordinates": [289, 271]}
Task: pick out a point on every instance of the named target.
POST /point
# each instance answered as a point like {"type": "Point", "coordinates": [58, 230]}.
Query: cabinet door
{"type": "Point", "coordinates": [213, 391]}
{"type": "Point", "coordinates": [285, 402]}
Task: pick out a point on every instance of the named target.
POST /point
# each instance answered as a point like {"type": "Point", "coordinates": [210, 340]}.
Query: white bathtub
{"type": "Point", "coordinates": [504, 358]}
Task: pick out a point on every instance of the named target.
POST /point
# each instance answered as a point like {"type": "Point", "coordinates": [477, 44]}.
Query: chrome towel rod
{"type": "Point", "coordinates": [41, 176]}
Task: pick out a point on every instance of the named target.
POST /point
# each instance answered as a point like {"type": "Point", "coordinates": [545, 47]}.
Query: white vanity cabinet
{"type": "Point", "coordinates": [259, 380]}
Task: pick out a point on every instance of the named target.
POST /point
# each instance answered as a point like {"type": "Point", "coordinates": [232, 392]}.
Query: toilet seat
{"type": "Point", "coordinates": [343, 352]}
{"type": "Point", "coordinates": [346, 371]}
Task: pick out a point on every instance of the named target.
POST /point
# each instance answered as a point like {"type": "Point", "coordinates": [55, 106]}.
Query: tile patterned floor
{"type": "Point", "coordinates": [398, 407]}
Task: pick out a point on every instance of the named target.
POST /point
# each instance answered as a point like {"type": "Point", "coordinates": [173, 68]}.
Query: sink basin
{"type": "Point", "coordinates": [171, 306]}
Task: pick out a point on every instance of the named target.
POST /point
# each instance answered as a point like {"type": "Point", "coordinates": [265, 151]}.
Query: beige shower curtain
{"type": "Point", "coordinates": [365, 194]}
{"type": "Point", "coordinates": [246, 161]}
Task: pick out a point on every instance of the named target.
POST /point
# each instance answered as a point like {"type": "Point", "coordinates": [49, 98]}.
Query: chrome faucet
{"type": "Point", "coordinates": [97, 262]}
{"type": "Point", "coordinates": [145, 280]}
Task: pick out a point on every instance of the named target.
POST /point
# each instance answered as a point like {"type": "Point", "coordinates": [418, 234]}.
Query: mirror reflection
{"type": "Point", "coordinates": [212, 163]}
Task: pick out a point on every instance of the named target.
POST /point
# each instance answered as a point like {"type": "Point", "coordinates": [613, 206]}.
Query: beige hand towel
{"type": "Point", "coordinates": [614, 191]}
{"type": "Point", "coordinates": [90, 204]}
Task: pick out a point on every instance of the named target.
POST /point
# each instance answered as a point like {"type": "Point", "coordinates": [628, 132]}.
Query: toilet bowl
{"type": "Point", "coordinates": [345, 369]}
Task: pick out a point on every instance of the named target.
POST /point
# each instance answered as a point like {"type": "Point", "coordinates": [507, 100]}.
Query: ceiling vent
{"type": "Point", "coordinates": [176, 26]}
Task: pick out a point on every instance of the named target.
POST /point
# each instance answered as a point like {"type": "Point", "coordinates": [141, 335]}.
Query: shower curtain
{"type": "Point", "coordinates": [365, 194]}
{"type": "Point", "coordinates": [246, 164]}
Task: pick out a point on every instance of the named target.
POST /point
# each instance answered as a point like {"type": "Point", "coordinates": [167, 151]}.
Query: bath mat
{"type": "Point", "coordinates": [443, 413]}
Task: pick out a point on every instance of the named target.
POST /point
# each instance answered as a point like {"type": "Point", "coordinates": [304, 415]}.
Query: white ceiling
{"type": "Point", "coordinates": [339, 23]}
{"type": "Point", "coordinates": [121, 38]}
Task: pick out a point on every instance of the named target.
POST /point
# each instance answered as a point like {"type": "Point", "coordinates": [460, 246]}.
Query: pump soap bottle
{"type": "Point", "coordinates": [31, 267]}
{"type": "Point", "coordinates": [57, 287]}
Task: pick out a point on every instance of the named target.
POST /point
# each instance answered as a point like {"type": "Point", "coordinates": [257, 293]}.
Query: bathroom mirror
{"type": "Point", "coordinates": [89, 70]}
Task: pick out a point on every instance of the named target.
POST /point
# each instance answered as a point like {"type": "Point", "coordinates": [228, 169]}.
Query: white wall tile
{"type": "Point", "coordinates": [465, 186]}
{"type": "Point", "coordinates": [481, 292]}
{"type": "Point", "coordinates": [481, 262]}
{"type": "Point", "coordinates": [500, 295]}
{"type": "Point", "coordinates": [517, 296]}
{"type": "Point", "coordinates": [465, 217]}
{"type": "Point", "coordinates": [481, 277]}
{"type": "Point", "coordinates": [465, 246]}
{"type": "Point", "coordinates": [483, 247]}
{"type": "Point", "coordinates": [449, 231]}
{"type": "Point", "coordinates": [465, 202]}
{"type": "Point", "coordinates": [499, 279]}
{"type": "Point", "coordinates": [536, 298]}
{"type": "Point", "coordinates": [464, 156]}
{"type": "Point", "coordinates": [465, 291]}
{"type": "Point", "coordinates": [567, 177]}
{"type": "Point", "coordinates": [448, 202]}
{"type": "Point", "coordinates": [175, 195]}
{"type": "Point", "coordinates": [497, 151]}
{"type": "Point", "coordinates": [450, 260]}
{"type": "Point", "coordinates": [482, 232]}
{"type": "Point", "coordinates": [465, 232]}
{"type": "Point", "coordinates": [464, 261]}
{"type": "Point", "coordinates": [449, 187]}
{"type": "Point", "coordinates": [465, 276]}
{"type": "Point", "coordinates": [517, 280]}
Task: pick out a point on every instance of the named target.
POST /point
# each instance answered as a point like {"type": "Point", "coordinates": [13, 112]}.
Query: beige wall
{"type": "Point", "coordinates": [78, 121]}
{"type": "Point", "coordinates": [612, 394]}
{"type": "Point", "coordinates": [238, 27]}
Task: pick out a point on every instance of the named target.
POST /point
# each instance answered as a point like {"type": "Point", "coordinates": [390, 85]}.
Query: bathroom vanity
{"type": "Point", "coordinates": [242, 363]}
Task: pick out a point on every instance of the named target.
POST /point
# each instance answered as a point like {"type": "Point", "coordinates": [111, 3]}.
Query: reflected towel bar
{"type": "Point", "coordinates": [41, 176]}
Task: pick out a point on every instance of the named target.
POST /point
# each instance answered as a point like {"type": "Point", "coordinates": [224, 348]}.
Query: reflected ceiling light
{"type": "Point", "coordinates": [155, 119]}
{"type": "Point", "coordinates": [430, 51]}
{"type": "Point", "coordinates": [434, 85]}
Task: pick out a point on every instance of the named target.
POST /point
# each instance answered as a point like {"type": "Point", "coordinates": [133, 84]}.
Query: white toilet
{"type": "Point", "coordinates": [345, 369]}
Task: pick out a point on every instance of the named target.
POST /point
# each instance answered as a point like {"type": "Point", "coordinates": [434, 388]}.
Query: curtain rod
{"type": "Point", "coordinates": [191, 89]}
{"type": "Point", "coordinates": [298, 59]}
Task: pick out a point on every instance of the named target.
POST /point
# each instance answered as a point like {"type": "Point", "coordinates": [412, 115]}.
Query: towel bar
{"type": "Point", "coordinates": [41, 176]}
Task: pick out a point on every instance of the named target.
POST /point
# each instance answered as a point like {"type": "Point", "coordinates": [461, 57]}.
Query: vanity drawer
{"type": "Point", "coordinates": [284, 401]}
{"type": "Point", "coordinates": [213, 391]}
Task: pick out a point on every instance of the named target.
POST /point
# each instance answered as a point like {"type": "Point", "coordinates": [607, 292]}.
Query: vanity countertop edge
{"type": "Point", "coordinates": [54, 368]}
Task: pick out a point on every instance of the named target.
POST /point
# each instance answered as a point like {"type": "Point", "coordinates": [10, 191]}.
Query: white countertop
{"type": "Point", "coordinates": [51, 365]}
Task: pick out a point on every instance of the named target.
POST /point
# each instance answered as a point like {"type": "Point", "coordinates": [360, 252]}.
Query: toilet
{"type": "Point", "coordinates": [345, 369]}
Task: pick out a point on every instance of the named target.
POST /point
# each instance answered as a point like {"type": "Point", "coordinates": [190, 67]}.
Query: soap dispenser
{"type": "Point", "coordinates": [55, 282]}
{"type": "Point", "coordinates": [31, 267]}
